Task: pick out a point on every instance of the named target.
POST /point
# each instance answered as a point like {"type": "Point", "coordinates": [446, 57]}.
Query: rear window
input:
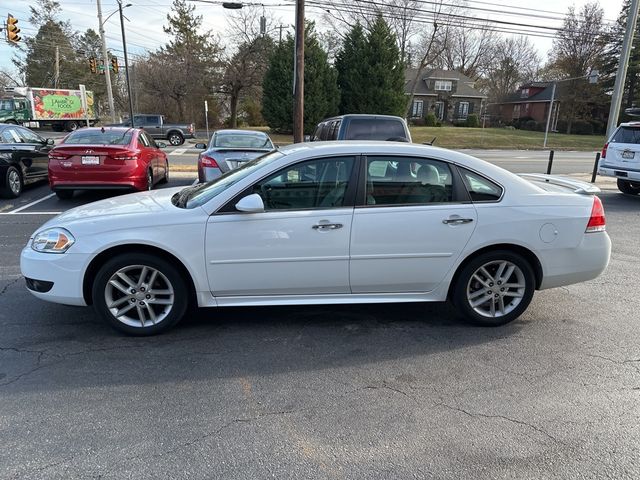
{"type": "Point", "coordinates": [480, 189]}
{"type": "Point", "coordinates": [97, 137]}
{"type": "Point", "coordinates": [241, 141]}
{"type": "Point", "coordinates": [627, 135]}
{"type": "Point", "coordinates": [374, 129]}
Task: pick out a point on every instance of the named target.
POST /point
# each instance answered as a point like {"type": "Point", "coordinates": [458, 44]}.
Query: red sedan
{"type": "Point", "coordinates": [106, 158]}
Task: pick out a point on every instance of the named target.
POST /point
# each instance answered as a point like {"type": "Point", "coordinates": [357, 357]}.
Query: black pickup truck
{"type": "Point", "coordinates": [158, 128]}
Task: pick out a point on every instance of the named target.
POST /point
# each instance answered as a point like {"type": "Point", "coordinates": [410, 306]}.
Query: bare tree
{"type": "Point", "coordinates": [470, 50]}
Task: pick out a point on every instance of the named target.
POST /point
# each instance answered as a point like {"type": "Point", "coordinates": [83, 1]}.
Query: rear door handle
{"type": "Point", "coordinates": [456, 221]}
{"type": "Point", "coordinates": [327, 226]}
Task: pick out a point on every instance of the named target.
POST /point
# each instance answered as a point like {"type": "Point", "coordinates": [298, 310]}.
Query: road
{"type": "Point", "coordinates": [380, 392]}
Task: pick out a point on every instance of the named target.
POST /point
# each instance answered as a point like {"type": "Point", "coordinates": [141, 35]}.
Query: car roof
{"type": "Point", "coordinates": [106, 129]}
{"type": "Point", "coordinates": [240, 132]}
{"type": "Point", "coordinates": [362, 115]}
{"type": "Point", "coordinates": [630, 124]}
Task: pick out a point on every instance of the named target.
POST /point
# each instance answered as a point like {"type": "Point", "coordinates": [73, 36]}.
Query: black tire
{"type": "Point", "coordinates": [169, 318]}
{"type": "Point", "coordinates": [150, 180]}
{"type": "Point", "coordinates": [71, 126]}
{"type": "Point", "coordinates": [175, 138]}
{"type": "Point", "coordinates": [64, 194]}
{"type": "Point", "coordinates": [13, 183]}
{"type": "Point", "coordinates": [165, 177]}
{"type": "Point", "coordinates": [11, 122]}
{"type": "Point", "coordinates": [625, 186]}
{"type": "Point", "coordinates": [465, 282]}
{"type": "Point", "coordinates": [56, 127]}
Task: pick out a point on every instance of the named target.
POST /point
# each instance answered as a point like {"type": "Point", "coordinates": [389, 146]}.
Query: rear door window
{"type": "Point", "coordinates": [480, 188]}
{"type": "Point", "coordinates": [627, 135]}
{"type": "Point", "coordinates": [374, 129]}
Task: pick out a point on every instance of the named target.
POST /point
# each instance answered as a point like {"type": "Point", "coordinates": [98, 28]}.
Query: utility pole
{"type": "Point", "coordinates": [126, 64]}
{"type": "Point", "coordinates": [56, 74]}
{"type": "Point", "coordinates": [280, 35]}
{"type": "Point", "coordinates": [298, 81]}
{"type": "Point", "coordinates": [546, 130]}
{"type": "Point", "coordinates": [616, 98]}
{"type": "Point", "coordinates": [105, 54]}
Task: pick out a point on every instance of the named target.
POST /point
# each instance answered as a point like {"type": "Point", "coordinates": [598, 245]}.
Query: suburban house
{"type": "Point", "coordinates": [449, 95]}
{"type": "Point", "coordinates": [530, 101]}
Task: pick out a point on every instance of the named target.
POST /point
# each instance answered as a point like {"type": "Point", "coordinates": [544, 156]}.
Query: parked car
{"type": "Point", "coordinates": [23, 158]}
{"type": "Point", "coordinates": [229, 149]}
{"type": "Point", "coordinates": [106, 158]}
{"type": "Point", "coordinates": [620, 158]}
{"type": "Point", "coordinates": [333, 222]}
{"type": "Point", "coordinates": [158, 128]}
{"type": "Point", "coordinates": [362, 127]}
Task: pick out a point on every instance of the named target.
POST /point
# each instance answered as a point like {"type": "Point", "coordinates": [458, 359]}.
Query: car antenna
{"type": "Point", "coordinates": [431, 142]}
{"type": "Point", "coordinates": [101, 129]}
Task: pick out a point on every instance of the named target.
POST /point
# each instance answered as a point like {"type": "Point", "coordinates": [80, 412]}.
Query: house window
{"type": "Point", "coordinates": [443, 85]}
{"type": "Point", "coordinates": [524, 93]}
{"type": "Point", "coordinates": [440, 110]}
{"type": "Point", "coordinates": [516, 111]}
{"type": "Point", "coordinates": [418, 108]}
{"type": "Point", "coordinates": [463, 110]}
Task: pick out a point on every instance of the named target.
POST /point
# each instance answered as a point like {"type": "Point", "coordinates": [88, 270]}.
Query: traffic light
{"type": "Point", "coordinates": [93, 65]}
{"type": "Point", "coordinates": [101, 67]}
{"type": "Point", "coordinates": [114, 64]}
{"type": "Point", "coordinates": [12, 29]}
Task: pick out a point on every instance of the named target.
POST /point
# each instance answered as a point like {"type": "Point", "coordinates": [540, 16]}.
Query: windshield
{"type": "Point", "coordinates": [192, 197]}
{"type": "Point", "coordinates": [6, 104]}
{"type": "Point", "coordinates": [240, 140]}
{"type": "Point", "coordinates": [99, 137]}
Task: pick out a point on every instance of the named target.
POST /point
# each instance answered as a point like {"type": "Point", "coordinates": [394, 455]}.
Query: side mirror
{"type": "Point", "coordinates": [251, 204]}
{"type": "Point", "coordinates": [201, 146]}
{"type": "Point", "coordinates": [50, 141]}
{"type": "Point", "coordinates": [161, 145]}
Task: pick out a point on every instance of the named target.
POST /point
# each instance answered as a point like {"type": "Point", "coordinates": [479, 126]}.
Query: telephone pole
{"type": "Point", "coordinates": [105, 54]}
{"type": "Point", "coordinates": [621, 76]}
{"type": "Point", "coordinates": [298, 81]}
{"type": "Point", "coordinates": [126, 62]}
{"type": "Point", "coordinates": [56, 73]}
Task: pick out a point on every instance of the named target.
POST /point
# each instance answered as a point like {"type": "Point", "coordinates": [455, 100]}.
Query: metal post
{"type": "Point", "coordinates": [206, 118]}
{"type": "Point", "coordinates": [107, 73]}
{"type": "Point", "coordinates": [126, 64]}
{"type": "Point", "coordinates": [56, 74]}
{"type": "Point", "coordinates": [595, 168]}
{"type": "Point", "coordinates": [616, 98]}
{"type": "Point", "coordinates": [550, 164]}
{"type": "Point", "coordinates": [298, 83]}
{"type": "Point", "coordinates": [546, 130]}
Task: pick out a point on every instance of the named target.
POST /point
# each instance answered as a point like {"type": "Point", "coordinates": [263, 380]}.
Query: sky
{"type": "Point", "coordinates": [144, 30]}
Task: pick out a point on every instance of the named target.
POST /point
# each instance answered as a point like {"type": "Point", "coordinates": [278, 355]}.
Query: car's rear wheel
{"type": "Point", "coordinates": [149, 180]}
{"type": "Point", "coordinates": [494, 288]}
{"type": "Point", "coordinates": [176, 139]}
{"type": "Point", "coordinates": [630, 188]}
{"type": "Point", "coordinates": [140, 294]}
{"type": "Point", "coordinates": [165, 178]}
{"type": "Point", "coordinates": [71, 126]}
{"type": "Point", "coordinates": [12, 183]}
{"type": "Point", "coordinates": [64, 194]}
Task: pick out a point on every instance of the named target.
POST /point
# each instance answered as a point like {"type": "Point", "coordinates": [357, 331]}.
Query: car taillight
{"type": "Point", "coordinates": [597, 222]}
{"type": "Point", "coordinates": [191, 128]}
{"type": "Point", "coordinates": [123, 157]}
{"type": "Point", "coordinates": [604, 151]}
{"type": "Point", "coordinates": [208, 161]}
{"type": "Point", "coordinates": [56, 156]}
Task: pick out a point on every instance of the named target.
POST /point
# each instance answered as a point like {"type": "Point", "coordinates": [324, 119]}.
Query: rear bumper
{"type": "Point", "coordinates": [206, 174]}
{"type": "Point", "coordinates": [573, 265]}
{"type": "Point", "coordinates": [623, 172]}
{"type": "Point", "coordinates": [130, 177]}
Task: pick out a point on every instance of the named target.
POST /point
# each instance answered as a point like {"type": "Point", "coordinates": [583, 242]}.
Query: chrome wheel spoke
{"type": "Point", "coordinates": [141, 315]}
{"type": "Point", "coordinates": [513, 294]}
{"type": "Point", "coordinates": [477, 293]}
{"type": "Point", "coordinates": [152, 314]}
{"type": "Point", "coordinates": [486, 274]}
{"type": "Point", "coordinates": [513, 285]}
{"type": "Point", "coordinates": [143, 275]}
{"type": "Point", "coordinates": [492, 308]}
{"type": "Point", "coordinates": [118, 302]}
{"type": "Point", "coordinates": [500, 270]}
{"type": "Point", "coordinates": [152, 279]}
{"type": "Point", "coordinates": [160, 292]}
{"type": "Point", "coordinates": [484, 282]}
{"type": "Point", "coordinates": [501, 305]}
{"type": "Point", "coordinates": [125, 310]}
{"type": "Point", "coordinates": [126, 279]}
{"type": "Point", "coordinates": [507, 275]}
{"type": "Point", "coordinates": [119, 286]}
{"type": "Point", "coordinates": [482, 300]}
{"type": "Point", "coordinates": [160, 301]}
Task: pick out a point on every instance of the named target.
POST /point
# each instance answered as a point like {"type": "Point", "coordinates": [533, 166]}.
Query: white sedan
{"type": "Point", "coordinates": [325, 223]}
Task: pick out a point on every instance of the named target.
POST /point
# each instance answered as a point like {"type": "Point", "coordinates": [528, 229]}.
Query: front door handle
{"type": "Point", "coordinates": [456, 221]}
{"type": "Point", "coordinates": [327, 226]}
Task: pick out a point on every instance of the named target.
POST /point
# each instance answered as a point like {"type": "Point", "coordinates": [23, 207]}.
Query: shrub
{"type": "Point", "coordinates": [420, 122]}
{"type": "Point", "coordinates": [519, 122]}
{"type": "Point", "coordinates": [529, 125]}
{"type": "Point", "coordinates": [473, 121]}
{"type": "Point", "coordinates": [561, 126]}
{"type": "Point", "coordinates": [598, 127]}
{"type": "Point", "coordinates": [430, 120]}
{"type": "Point", "coordinates": [582, 127]}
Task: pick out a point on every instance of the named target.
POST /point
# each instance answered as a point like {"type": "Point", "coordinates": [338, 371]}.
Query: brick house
{"type": "Point", "coordinates": [449, 95]}
{"type": "Point", "coordinates": [530, 101]}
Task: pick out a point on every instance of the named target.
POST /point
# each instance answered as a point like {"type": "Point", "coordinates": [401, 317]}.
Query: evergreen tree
{"type": "Point", "coordinates": [371, 71]}
{"type": "Point", "coordinates": [321, 94]}
{"type": "Point", "coordinates": [351, 74]}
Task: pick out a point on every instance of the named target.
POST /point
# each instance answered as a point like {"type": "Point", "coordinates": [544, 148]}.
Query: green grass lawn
{"type": "Point", "coordinates": [489, 138]}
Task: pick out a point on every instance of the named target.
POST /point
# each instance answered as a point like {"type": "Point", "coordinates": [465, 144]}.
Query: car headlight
{"type": "Point", "coordinates": [53, 240]}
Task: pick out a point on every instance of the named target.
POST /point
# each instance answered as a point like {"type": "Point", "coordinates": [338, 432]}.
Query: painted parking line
{"type": "Point", "coordinates": [178, 151]}
{"type": "Point", "coordinates": [35, 202]}
{"type": "Point", "coordinates": [30, 213]}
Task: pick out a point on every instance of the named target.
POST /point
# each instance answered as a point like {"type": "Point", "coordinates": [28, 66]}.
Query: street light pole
{"type": "Point", "coordinates": [107, 73]}
{"type": "Point", "coordinates": [298, 85]}
{"type": "Point", "coordinates": [126, 62]}
{"type": "Point", "coordinates": [621, 76]}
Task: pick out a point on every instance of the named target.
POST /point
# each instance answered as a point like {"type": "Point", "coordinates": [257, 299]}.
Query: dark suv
{"type": "Point", "coordinates": [362, 127]}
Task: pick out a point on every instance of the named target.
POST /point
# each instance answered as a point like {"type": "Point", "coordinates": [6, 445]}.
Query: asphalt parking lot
{"type": "Point", "coordinates": [384, 391]}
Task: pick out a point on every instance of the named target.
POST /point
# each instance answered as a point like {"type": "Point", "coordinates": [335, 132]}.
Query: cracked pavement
{"type": "Point", "coordinates": [372, 391]}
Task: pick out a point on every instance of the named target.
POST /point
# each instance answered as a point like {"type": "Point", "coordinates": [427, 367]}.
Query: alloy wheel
{"type": "Point", "coordinates": [496, 288]}
{"type": "Point", "coordinates": [149, 180]}
{"type": "Point", "coordinates": [175, 140]}
{"type": "Point", "coordinates": [139, 296]}
{"type": "Point", "coordinates": [14, 182]}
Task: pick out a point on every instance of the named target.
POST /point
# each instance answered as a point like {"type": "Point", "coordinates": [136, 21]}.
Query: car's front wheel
{"type": "Point", "coordinates": [494, 288]}
{"type": "Point", "coordinates": [140, 294]}
{"type": "Point", "coordinates": [630, 188]}
{"type": "Point", "coordinates": [176, 139]}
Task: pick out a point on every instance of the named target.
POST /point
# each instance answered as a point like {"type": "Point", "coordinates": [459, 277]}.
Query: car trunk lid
{"type": "Point", "coordinates": [92, 157]}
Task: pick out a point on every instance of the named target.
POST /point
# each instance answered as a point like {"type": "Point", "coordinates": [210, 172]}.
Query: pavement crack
{"type": "Point", "coordinates": [623, 363]}
{"type": "Point", "coordinates": [500, 417]}
{"type": "Point", "coordinates": [9, 284]}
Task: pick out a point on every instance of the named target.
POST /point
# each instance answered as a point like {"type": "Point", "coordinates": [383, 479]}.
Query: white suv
{"type": "Point", "coordinates": [621, 158]}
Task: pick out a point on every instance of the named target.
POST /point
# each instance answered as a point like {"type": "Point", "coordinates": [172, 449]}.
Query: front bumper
{"type": "Point", "coordinates": [624, 173]}
{"type": "Point", "coordinates": [65, 271]}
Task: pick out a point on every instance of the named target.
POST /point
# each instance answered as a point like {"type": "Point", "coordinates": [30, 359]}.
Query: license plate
{"type": "Point", "coordinates": [628, 154]}
{"type": "Point", "coordinates": [90, 160]}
